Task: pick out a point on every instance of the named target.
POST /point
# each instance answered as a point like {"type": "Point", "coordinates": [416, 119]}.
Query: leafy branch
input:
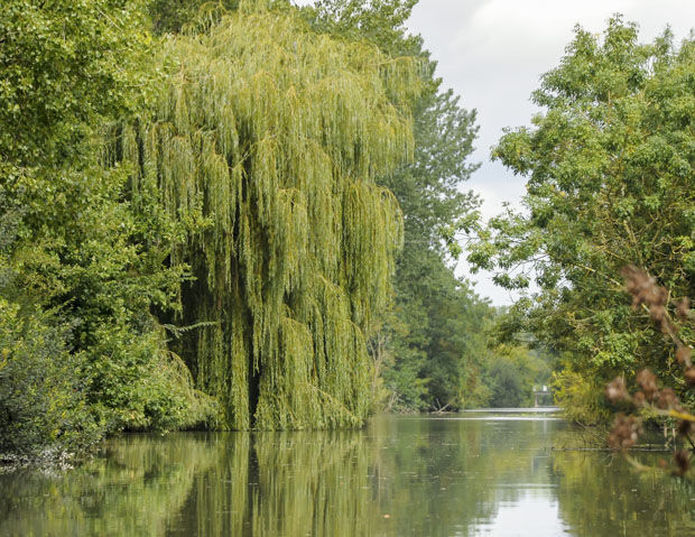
{"type": "Point", "coordinates": [652, 400]}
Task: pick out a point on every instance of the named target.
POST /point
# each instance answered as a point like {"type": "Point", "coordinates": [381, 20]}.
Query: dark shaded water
{"type": "Point", "coordinates": [466, 475]}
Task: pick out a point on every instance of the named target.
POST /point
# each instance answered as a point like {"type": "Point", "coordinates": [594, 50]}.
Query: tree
{"type": "Point", "coordinates": [430, 342]}
{"type": "Point", "coordinates": [381, 22]}
{"type": "Point", "coordinates": [610, 183]}
{"type": "Point", "coordinates": [66, 65]}
{"type": "Point", "coordinates": [443, 342]}
{"type": "Point", "coordinates": [80, 265]}
{"type": "Point", "coordinates": [512, 373]}
{"type": "Point", "coordinates": [266, 137]}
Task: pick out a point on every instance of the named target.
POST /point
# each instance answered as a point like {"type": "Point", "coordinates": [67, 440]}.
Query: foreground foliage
{"type": "Point", "coordinates": [675, 320]}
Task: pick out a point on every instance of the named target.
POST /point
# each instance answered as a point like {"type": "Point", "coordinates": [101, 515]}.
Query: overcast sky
{"type": "Point", "coordinates": [492, 53]}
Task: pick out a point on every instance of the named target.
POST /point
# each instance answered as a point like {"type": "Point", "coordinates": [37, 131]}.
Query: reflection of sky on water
{"type": "Point", "coordinates": [535, 513]}
{"type": "Point", "coordinates": [525, 502]}
{"type": "Point", "coordinates": [504, 418]}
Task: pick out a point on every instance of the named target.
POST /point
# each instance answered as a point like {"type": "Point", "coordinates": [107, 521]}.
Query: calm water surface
{"type": "Point", "coordinates": [465, 475]}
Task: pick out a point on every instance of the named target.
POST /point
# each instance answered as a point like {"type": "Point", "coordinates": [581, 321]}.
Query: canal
{"type": "Point", "coordinates": [473, 474]}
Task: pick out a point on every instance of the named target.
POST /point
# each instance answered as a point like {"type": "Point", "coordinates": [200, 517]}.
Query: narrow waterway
{"type": "Point", "coordinates": [473, 474]}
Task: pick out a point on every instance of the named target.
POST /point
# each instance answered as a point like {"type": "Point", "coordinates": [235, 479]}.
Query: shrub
{"type": "Point", "coordinates": [42, 386]}
{"type": "Point", "coordinates": [580, 396]}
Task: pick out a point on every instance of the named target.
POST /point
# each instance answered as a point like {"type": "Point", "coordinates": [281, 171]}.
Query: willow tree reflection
{"type": "Point", "coordinates": [133, 490]}
{"type": "Point", "coordinates": [398, 477]}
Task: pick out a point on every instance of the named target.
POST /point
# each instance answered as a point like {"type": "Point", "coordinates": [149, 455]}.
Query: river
{"type": "Point", "coordinates": [474, 474]}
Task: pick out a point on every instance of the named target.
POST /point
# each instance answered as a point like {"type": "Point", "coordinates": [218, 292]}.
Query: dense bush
{"type": "Point", "coordinates": [42, 385]}
{"type": "Point", "coordinates": [82, 257]}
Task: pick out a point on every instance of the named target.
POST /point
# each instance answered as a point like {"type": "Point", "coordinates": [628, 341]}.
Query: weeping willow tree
{"type": "Point", "coordinates": [266, 139]}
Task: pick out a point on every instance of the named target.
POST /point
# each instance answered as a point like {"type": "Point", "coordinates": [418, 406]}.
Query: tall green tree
{"type": "Point", "coordinates": [609, 169]}
{"type": "Point", "coordinates": [432, 338]}
{"type": "Point", "coordinates": [436, 330]}
{"type": "Point", "coordinates": [268, 136]}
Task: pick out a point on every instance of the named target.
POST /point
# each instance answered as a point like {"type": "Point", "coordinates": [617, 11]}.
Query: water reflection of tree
{"type": "Point", "coordinates": [603, 495]}
{"type": "Point", "coordinates": [454, 472]}
{"type": "Point", "coordinates": [395, 478]}
{"type": "Point", "coordinates": [279, 484]}
{"type": "Point", "coordinates": [398, 477]}
{"type": "Point", "coordinates": [133, 491]}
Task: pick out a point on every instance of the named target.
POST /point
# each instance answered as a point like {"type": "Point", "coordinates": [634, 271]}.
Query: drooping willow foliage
{"type": "Point", "coordinates": [267, 137]}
